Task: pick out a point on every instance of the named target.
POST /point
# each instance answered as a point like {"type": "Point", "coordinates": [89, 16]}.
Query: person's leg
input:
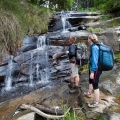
{"type": "Point", "coordinates": [97, 95]}
{"type": "Point", "coordinates": [72, 78]}
{"type": "Point", "coordinates": [95, 85]}
{"type": "Point", "coordinates": [71, 85]}
{"type": "Point", "coordinates": [76, 87]}
{"type": "Point", "coordinates": [96, 101]}
{"type": "Point", "coordinates": [96, 89]}
{"type": "Point", "coordinates": [90, 84]}
{"type": "Point", "coordinates": [77, 80]}
{"type": "Point", "coordinates": [90, 88]}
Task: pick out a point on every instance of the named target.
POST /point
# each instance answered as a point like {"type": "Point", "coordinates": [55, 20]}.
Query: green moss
{"type": "Point", "coordinates": [101, 117]}
{"type": "Point", "coordinates": [84, 68]}
{"type": "Point", "coordinates": [115, 23]}
{"type": "Point", "coordinates": [91, 29]}
{"type": "Point", "coordinates": [105, 17]}
{"type": "Point", "coordinates": [117, 57]}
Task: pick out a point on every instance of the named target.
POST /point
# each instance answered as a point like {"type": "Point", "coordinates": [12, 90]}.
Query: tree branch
{"type": "Point", "coordinates": [24, 106]}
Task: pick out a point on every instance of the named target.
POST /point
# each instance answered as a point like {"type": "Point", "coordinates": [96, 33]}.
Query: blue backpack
{"type": "Point", "coordinates": [106, 57]}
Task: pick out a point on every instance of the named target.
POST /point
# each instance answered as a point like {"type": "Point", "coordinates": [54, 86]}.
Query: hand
{"type": "Point", "coordinates": [67, 52]}
{"type": "Point", "coordinates": [92, 75]}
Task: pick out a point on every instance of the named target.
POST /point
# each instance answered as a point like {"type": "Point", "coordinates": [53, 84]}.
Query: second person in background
{"type": "Point", "coordinates": [74, 78]}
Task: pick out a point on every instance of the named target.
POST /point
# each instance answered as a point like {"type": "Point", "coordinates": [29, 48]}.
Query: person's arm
{"type": "Point", "coordinates": [94, 58]}
{"type": "Point", "coordinates": [94, 61]}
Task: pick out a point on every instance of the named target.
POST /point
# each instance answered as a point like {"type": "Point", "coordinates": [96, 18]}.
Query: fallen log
{"type": "Point", "coordinates": [50, 111]}
{"type": "Point", "coordinates": [39, 112]}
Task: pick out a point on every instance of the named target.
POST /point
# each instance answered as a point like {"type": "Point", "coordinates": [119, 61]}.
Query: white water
{"type": "Point", "coordinates": [41, 43]}
{"type": "Point", "coordinates": [63, 23]}
{"type": "Point", "coordinates": [63, 19]}
{"type": "Point", "coordinates": [42, 74]}
{"type": "Point", "coordinates": [42, 58]}
{"type": "Point", "coordinates": [37, 71]}
{"type": "Point", "coordinates": [8, 79]}
{"type": "Point", "coordinates": [31, 70]}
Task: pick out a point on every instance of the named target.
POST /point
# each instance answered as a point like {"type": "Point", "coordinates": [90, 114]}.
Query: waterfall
{"type": "Point", "coordinates": [31, 70]}
{"type": "Point", "coordinates": [42, 74]}
{"type": "Point", "coordinates": [37, 71]}
{"type": "Point", "coordinates": [41, 43]}
{"type": "Point", "coordinates": [64, 21]}
{"type": "Point", "coordinates": [8, 79]}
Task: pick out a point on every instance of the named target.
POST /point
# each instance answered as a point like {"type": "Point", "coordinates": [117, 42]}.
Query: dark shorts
{"type": "Point", "coordinates": [95, 81]}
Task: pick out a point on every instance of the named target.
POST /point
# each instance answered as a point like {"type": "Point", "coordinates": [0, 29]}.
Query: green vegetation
{"type": "Point", "coordinates": [91, 29]}
{"type": "Point", "coordinates": [19, 18]}
{"type": "Point", "coordinates": [72, 114]}
{"type": "Point", "coordinates": [84, 68]}
{"type": "Point", "coordinates": [117, 57]}
{"type": "Point", "coordinates": [112, 23]}
{"type": "Point", "coordinates": [101, 117]}
{"type": "Point", "coordinates": [108, 6]}
{"type": "Point", "coordinates": [115, 23]}
{"type": "Point", "coordinates": [56, 5]}
{"type": "Point", "coordinates": [102, 6]}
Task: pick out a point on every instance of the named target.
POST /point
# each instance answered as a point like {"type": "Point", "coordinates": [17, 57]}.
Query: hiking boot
{"type": "Point", "coordinates": [71, 85]}
{"type": "Point", "coordinates": [93, 104]}
{"type": "Point", "coordinates": [87, 95]}
{"type": "Point", "coordinates": [75, 90]}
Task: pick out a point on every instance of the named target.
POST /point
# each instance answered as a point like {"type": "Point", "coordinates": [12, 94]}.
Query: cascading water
{"type": "Point", "coordinates": [41, 63]}
{"type": "Point", "coordinates": [30, 71]}
{"type": "Point", "coordinates": [36, 68]}
{"type": "Point", "coordinates": [8, 79]}
{"type": "Point", "coordinates": [64, 21]}
{"type": "Point", "coordinates": [41, 43]}
{"type": "Point", "coordinates": [42, 74]}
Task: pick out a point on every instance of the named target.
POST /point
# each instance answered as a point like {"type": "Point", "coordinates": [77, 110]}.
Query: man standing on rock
{"type": "Point", "coordinates": [74, 78]}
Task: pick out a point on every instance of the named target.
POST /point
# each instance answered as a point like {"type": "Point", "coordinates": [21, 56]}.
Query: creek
{"type": "Point", "coordinates": [35, 67]}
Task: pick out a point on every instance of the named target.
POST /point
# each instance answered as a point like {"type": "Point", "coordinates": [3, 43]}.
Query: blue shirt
{"type": "Point", "coordinates": [94, 49]}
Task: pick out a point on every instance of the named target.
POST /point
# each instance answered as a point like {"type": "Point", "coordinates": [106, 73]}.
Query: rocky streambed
{"type": "Point", "coordinates": [58, 96]}
{"type": "Point", "coordinates": [35, 77]}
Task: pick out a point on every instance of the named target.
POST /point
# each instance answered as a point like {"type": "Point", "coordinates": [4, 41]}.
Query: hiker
{"type": "Point", "coordinates": [74, 77]}
{"type": "Point", "coordinates": [94, 72]}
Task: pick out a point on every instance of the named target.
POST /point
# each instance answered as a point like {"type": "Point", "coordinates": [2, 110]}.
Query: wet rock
{"type": "Point", "coordinates": [113, 116]}
{"type": "Point", "coordinates": [3, 71]}
{"type": "Point", "coordinates": [118, 80]}
{"type": "Point", "coordinates": [105, 103]}
{"type": "Point", "coordinates": [44, 64]}
{"type": "Point", "coordinates": [29, 43]}
{"type": "Point", "coordinates": [63, 38]}
{"type": "Point", "coordinates": [29, 116]}
{"type": "Point", "coordinates": [71, 19]}
{"type": "Point", "coordinates": [23, 78]}
{"type": "Point", "coordinates": [57, 25]}
{"type": "Point", "coordinates": [108, 85]}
